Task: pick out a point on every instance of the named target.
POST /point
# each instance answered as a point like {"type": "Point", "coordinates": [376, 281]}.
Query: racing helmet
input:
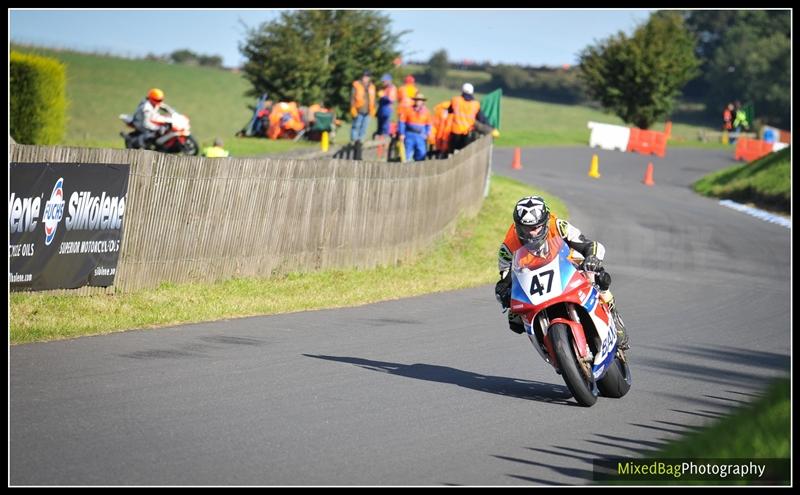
{"type": "Point", "coordinates": [155, 95]}
{"type": "Point", "coordinates": [531, 216]}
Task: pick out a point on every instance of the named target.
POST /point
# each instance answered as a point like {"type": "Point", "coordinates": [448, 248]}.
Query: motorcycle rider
{"type": "Point", "coordinates": [148, 120]}
{"type": "Point", "coordinates": [533, 225]}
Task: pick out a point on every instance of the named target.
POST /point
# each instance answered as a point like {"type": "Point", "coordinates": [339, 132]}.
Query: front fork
{"type": "Point", "coordinates": [543, 320]}
{"type": "Point", "coordinates": [588, 359]}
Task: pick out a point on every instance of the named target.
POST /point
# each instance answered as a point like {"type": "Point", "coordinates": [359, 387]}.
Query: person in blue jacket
{"type": "Point", "coordinates": [414, 127]}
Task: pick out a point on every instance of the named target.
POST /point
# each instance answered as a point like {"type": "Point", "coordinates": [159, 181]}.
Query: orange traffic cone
{"type": "Point", "coordinates": [594, 168]}
{"type": "Point", "coordinates": [648, 175]}
{"type": "Point", "coordinates": [517, 163]}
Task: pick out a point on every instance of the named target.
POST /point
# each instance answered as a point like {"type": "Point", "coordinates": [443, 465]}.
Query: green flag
{"type": "Point", "coordinates": [490, 106]}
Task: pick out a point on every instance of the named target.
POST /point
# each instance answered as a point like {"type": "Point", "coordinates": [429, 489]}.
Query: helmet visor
{"type": "Point", "coordinates": [532, 235]}
{"type": "Point", "coordinates": [531, 231]}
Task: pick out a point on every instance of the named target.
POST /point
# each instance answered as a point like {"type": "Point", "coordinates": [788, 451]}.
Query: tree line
{"type": "Point", "coordinates": [188, 57]}
{"type": "Point", "coordinates": [709, 56]}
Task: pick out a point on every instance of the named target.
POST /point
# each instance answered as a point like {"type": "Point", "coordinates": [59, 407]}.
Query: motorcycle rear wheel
{"type": "Point", "coordinates": [617, 380]}
{"type": "Point", "coordinates": [568, 363]}
{"type": "Point", "coordinates": [129, 139]}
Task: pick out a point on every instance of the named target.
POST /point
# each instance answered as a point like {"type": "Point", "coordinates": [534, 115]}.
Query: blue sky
{"type": "Point", "coordinates": [531, 37]}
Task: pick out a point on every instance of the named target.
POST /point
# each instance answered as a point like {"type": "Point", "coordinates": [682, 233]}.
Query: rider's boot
{"type": "Point", "coordinates": [622, 336]}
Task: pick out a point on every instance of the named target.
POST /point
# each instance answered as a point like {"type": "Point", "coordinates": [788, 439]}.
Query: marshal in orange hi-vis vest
{"type": "Point", "coordinates": [360, 96]}
{"type": "Point", "coordinates": [464, 113]}
{"type": "Point", "coordinates": [440, 127]}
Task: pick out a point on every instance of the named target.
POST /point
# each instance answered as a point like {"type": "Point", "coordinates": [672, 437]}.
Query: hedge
{"type": "Point", "coordinates": [38, 99]}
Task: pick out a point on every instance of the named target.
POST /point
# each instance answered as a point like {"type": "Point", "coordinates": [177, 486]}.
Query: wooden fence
{"type": "Point", "coordinates": [208, 219]}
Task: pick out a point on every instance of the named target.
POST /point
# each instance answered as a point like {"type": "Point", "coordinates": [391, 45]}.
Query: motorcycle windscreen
{"type": "Point", "coordinates": [530, 257]}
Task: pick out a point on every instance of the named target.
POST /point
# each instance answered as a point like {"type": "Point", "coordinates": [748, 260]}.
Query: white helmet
{"type": "Point", "coordinates": [467, 89]}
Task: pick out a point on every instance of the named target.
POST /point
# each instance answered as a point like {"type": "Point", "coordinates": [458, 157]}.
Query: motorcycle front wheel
{"type": "Point", "coordinates": [577, 383]}
{"type": "Point", "coordinates": [190, 147]}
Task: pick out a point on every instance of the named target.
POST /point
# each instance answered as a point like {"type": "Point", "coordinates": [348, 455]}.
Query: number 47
{"type": "Point", "coordinates": [537, 287]}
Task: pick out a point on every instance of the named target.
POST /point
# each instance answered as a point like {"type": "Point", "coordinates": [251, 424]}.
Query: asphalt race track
{"type": "Point", "coordinates": [433, 390]}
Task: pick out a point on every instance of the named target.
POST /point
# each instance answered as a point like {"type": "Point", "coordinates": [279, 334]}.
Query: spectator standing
{"type": "Point", "coordinates": [727, 118]}
{"type": "Point", "coordinates": [414, 128]}
{"type": "Point", "coordinates": [739, 121]}
{"type": "Point", "coordinates": [387, 97]}
{"type": "Point", "coordinates": [406, 94]}
{"type": "Point", "coordinates": [362, 106]}
{"type": "Point", "coordinates": [464, 110]}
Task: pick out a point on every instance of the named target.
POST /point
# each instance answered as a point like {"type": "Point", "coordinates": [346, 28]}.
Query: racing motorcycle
{"type": "Point", "coordinates": [567, 322]}
{"type": "Point", "coordinates": [174, 137]}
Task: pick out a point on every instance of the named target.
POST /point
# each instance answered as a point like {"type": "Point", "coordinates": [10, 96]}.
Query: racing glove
{"type": "Point", "coordinates": [592, 264]}
{"type": "Point", "coordinates": [502, 290]}
{"type": "Point", "coordinates": [602, 279]}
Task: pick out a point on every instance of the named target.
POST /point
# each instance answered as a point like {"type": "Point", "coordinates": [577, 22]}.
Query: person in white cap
{"type": "Point", "coordinates": [465, 110]}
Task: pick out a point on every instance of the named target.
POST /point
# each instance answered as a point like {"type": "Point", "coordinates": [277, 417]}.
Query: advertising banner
{"type": "Point", "coordinates": [65, 224]}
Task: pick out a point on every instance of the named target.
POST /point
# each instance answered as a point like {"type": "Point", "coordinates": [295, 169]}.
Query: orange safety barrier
{"type": "Point", "coordinates": [785, 137]}
{"type": "Point", "coordinates": [751, 149]}
{"type": "Point", "coordinates": [648, 142]}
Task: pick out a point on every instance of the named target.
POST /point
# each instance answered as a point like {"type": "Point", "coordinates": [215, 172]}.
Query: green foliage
{"type": "Point", "coordinates": [313, 56]}
{"type": "Point", "coordinates": [765, 182]}
{"type": "Point", "coordinates": [189, 57]}
{"type": "Point", "coordinates": [454, 79]}
{"type": "Point", "coordinates": [554, 85]}
{"type": "Point", "coordinates": [749, 60]}
{"type": "Point", "coordinates": [38, 100]}
{"type": "Point", "coordinates": [639, 77]}
{"type": "Point", "coordinates": [759, 430]}
{"type": "Point", "coordinates": [437, 68]}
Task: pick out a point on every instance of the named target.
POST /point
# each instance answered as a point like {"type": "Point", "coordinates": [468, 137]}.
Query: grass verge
{"type": "Point", "coordinates": [760, 430]}
{"type": "Point", "coordinates": [464, 259]}
{"type": "Point", "coordinates": [765, 182]}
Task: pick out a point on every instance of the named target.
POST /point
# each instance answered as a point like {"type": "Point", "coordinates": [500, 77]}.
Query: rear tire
{"type": "Point", "coordinates": [561, 337]}
{"type": "Point", "coordinates": [617, 380]}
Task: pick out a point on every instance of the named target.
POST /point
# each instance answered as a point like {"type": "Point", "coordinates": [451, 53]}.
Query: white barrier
{"type": "Point", "coordinates": [608, 136]}
{"type": "Point", "coordinates": [779, 146]}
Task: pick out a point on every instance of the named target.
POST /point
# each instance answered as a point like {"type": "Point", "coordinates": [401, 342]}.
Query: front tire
{"type": "Point", "coordinates": [568, 364]}
{"type": "Point", "coordinates": [190, 147]}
